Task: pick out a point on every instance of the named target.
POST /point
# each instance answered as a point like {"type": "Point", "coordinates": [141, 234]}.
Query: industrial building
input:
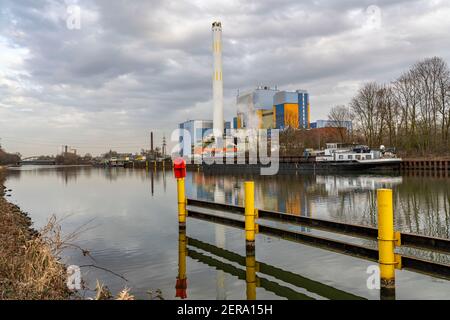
{"type": "Point", "coordinates": [291, 109]}
{"type": "Point", "coordinates": [267, 108]}
{"type": "Point", "coordinates": [196, 130]}
{"type": "Point", "coordinates": [330, 123]}
{"type": "Point", "coordinates": [254, 108]}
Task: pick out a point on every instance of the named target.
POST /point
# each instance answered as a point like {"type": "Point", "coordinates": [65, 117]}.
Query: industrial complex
{"type": "Point", "coordinates": [270, 108]}
{"type": "Point", "coordinates": [264, 107]}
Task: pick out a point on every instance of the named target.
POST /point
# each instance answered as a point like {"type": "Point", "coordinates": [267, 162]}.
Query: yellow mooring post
{"type": "Point", "coordinates": [250, 226]}
{"type": "Point", "coordinates": [179, 167]}
{"type": "Point", "coordinates": [181, 202]}
{"type": "Point", "coordinates": [386, 243]}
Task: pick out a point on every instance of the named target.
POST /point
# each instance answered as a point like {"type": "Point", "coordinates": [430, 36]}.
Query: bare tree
{"type": "Point", "coordinates": [429, 83]}
{"type": "Point", "coordinates": [407, 97]}
{"type": "Point", "coordinates": [369, 116]}
{"type": "Point", "coordinates": [412, 113]}
{"type": "Point", "coordinates": [387, 105]}
{"type": "Point", "coordinates": [340, 115]}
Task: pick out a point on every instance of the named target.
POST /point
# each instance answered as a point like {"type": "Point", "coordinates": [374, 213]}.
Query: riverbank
{"type": "Point", "coordinates": [29, 266]}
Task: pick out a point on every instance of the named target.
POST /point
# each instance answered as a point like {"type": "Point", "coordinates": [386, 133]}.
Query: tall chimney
{"type": "Point", "coordinates": [151, 141]}
{"type": "Point", "coordinates": [217, 79]}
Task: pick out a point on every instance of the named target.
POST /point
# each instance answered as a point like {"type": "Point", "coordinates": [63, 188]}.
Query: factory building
{"type": "Point", "coordinates": [291, 109]}
{"type": "Point", "coordinates": [255, 108]}
{"type": "Point", "coordinates": [236, 123]}
{"type": "Point", "coordinates": [196, 130]}
{"type": "Point", "coordinates": [330, 123]}
{"type": "Point", "coordinates": [267, 108]}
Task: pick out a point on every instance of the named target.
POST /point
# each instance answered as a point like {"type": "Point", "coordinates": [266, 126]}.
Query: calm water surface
{"type": "Point", "coordinates": [129, 224]}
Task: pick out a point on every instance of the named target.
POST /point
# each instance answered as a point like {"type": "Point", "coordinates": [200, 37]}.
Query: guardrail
{"type": "Point", "coordinates": [407, 239]}
{"type": "Point", "coordinates": [408, 262]}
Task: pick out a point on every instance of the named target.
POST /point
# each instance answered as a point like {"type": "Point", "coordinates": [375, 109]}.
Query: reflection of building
{"type": "Point", "coordinates": [279, 194]}
{"type": "Point", "coordinates": [295, 201]}
{"type": "Point", "coordinates": [195, 131]}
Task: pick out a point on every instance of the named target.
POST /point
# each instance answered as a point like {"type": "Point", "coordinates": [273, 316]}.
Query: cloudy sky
{"type": "Point", "coordinates": [133, 66]}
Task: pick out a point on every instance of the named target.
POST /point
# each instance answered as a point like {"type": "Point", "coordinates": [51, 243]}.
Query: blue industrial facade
{"type": "Point", "coordinates": [279, 116]}
{"type": "Point", "coordinates": [303, 112]}
{"type": "Point", "coordinates": [300, 99]}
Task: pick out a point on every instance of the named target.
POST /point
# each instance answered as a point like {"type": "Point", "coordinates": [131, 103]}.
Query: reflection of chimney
{"type": "Point", "coordinates": [151, 141]}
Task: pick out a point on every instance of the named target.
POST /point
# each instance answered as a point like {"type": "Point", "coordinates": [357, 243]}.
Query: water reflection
{"type": "Point", "coordinates": [224, 260]}
{"type": "Point", "coordinates": [250, 274]}
{"type": "Point", "coordinates": [422, 205]}
{"type": "Point", "coordinates": [70, 174]}
{"type": "Point", "coordinates": [220, 276]}
{"type": "Point", "coordinates": [136, 232]}
{"type": "Point", "coordinates": [181, 284]}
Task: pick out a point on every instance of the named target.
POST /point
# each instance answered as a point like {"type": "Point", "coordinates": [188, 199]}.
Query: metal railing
{"type": "Point", "coordinates": [407, 239]}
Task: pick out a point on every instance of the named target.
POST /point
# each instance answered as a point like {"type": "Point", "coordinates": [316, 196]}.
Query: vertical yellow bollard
{"type": "Point", "coordinates": [386, 243]}
{"type": "Point", "coordinates": [181, 202]}
{"type": "Point", "coordinates": [179, 167]}
{"type": "Point", "coordinates": [250, 227]}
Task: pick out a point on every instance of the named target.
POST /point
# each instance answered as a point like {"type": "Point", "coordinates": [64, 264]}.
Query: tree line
{"type": "Point", "coordinates": [8, 158]}
{"type": "Point", "coordinates": [411, 113]}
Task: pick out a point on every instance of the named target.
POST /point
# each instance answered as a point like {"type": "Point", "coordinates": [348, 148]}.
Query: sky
{"type": "Point", "coordinates": [99, 74]}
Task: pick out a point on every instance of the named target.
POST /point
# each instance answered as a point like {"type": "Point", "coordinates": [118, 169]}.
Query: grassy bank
{"type": "Point", "coordinates": [29, 267]}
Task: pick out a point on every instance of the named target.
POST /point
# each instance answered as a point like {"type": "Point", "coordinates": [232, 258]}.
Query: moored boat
{"type": "Point", "coordinates": [355, 156]}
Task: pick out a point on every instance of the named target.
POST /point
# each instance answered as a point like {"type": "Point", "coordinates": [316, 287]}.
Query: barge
{"type": "Point", "coordinates": [334, 158]}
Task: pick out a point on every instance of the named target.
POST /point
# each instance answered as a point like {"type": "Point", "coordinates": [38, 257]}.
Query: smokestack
{"type": "Point", "coordinates": [217, 79]}
{"type": "Point", "coordinates": [151, 141]}
{"type": "Point", "coordinates": [65, 149]}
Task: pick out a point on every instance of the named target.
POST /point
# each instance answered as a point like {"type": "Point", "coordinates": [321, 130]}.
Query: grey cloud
{"type": "Point", "coordinates": [141, 65]}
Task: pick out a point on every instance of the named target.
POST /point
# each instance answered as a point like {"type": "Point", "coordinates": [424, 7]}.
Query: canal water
{"type": "Point", "coordinates": [127, 219]}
